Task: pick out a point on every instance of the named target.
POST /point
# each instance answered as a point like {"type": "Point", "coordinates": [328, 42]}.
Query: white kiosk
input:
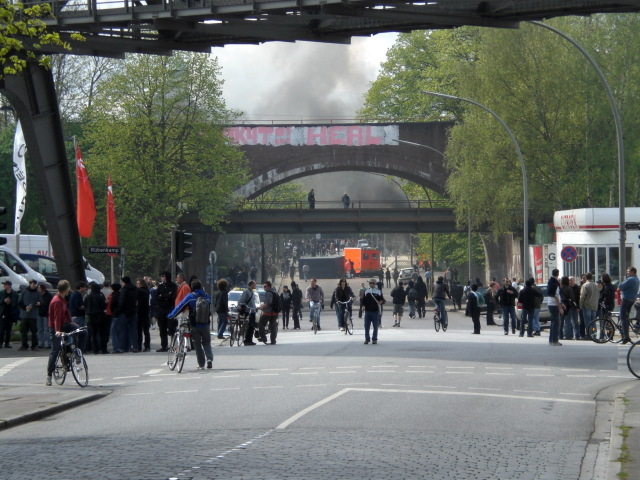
{"type": "Point", "coordinates": [588, 240]}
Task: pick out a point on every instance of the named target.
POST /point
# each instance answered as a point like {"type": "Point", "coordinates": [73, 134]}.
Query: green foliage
{"type": "Point", "coordinates": [156, 126]}
{"type": "Point", "coordinates": [18, 22]}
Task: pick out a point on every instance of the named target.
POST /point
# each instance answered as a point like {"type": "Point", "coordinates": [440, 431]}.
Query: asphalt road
{"type": "Point", "coordinates": [420, 404]}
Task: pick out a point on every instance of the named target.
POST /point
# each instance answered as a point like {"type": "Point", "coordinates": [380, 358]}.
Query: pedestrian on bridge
{"type": "Point", "coordinates": [346, 201]}
{"type": "Point", "coordinates": [312, 199]}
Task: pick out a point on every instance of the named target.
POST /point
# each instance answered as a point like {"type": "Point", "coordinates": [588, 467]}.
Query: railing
{"type": "Point", "coordinates": [337, 204]}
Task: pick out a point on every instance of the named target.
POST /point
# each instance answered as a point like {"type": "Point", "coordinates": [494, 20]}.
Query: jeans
{"type": "Point", "coordinates": [555, 324]}
{"type": "Point", "coordinates": [43, 332]}
{"type": "Point", "coordinates": [527, 315]}
{"type": "Point", "coordinates": [506, 313]}
{"type": "Point", "coordinates": [222, 323]}
{"type": "Point", "coordinates": [412, 308]}
{"type": "Point", "coordinates": [440, 305]}
{"type": "Point", "coordinates": [201, 338]}
{"type": "Point", "coordinates": [571, 327]}
{"type": "Point", "coordinates": [312, 311]}
{"type": "Point", "coordinates": [536, 320]}
{"type": "Point", "coordinates": [369, 319]}
{"type": "Point", "coordinates": [56, 345]}
{"type": "Point", "coordinates": [589, 316]}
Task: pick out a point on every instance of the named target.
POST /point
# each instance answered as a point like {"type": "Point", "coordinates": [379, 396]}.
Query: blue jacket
{"type": "Point", "coordinates": [629, 288]}
{"type": "Point", "coordinates": [190, 301]}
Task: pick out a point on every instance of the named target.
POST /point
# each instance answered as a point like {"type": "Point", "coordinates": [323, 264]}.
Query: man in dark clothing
{"type": "Point", "coordinates": [507, 297]}
{"type": "Point", "coordinates": [399, 295]}
{"type": "Point", "coordinates": [27, 301]}
{"type": "Point", "coordinates": [296, 304]}
{"type": "Point", "coordinates": [222, 306]}
{"type": "Point", "coordinates": [312, 199]}
{"type": "Point", "coordinates": [372, 301]}
{"type": "Point", "coordinates": [474, 308]}
{"type": "Point", "coordinates": [95, 305]}
{"type": "Point", "coordinates": [166, 294]}
{"type": "Point", "coordinates": [268, 315]}
{"type": "Point", "coordinates": [527, 297]}
{"type": "Point", "coordinates": [457, 293]}
{"type": "Point", "coordinates": [128, 318]}
{"type": "Point", "coordinates": [8, 304]}
{"type": "Point", "coordinates": [421, 288]}
{"type": "Point", "coordinates": [142, 310]}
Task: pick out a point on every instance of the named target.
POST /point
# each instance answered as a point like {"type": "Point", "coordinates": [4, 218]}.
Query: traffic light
{"type": "Point", "coordinates": [3, 226]}
{"type": "Point", "coordinates": [183, 245]}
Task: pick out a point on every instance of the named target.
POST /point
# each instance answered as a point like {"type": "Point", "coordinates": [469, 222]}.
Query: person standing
{"type": "Point", "coordinates": [457, 292]}
{"type": "Point", "coordinates": [142, 311]}
{"type": "Point", "coordinates": [507, 297]}
{"type": "Point", "coordinates": [8, 305]}
{"type": "Point", "coordinates": [372, 301]}
{"type": "Point", "coordinates": [491, 302]}
{"type": "Point", "coordinates": [200, 331]}
{"type": "Point", "coordinates": [555, 307]}
{"type": "Point", "coordinates": [311, 198]}
{"type": "Point", "coordinates": [346, 201]}
{"type": "Point", "coordinates": [59, 322]}
{"type": "Point", "coordinates": [527, 297]}
{"type": "Point", "coordinates": [27, 301]}
{"type": "Point", "coordinates": [316, 295]}
{"type": "Point", "coordinates": [269, 315]}
{"type": "Point", "coordinates": [474, 308]}
{"type": "Point", "coordinates": [166, 294]}
{"type": "Point", "coordinates": [285, 300]}
{"type": "Point", "coordinates": [589, 296]}
{"type": "Point", "coordinates": [570, 328]}
{"type": "Point", "coordinates": [412, 297]}
{"type": "Point", "coordinates": [128, 318]}
{"type": "Point", "coordinates": [44, 341]}
{"type": "Point", "coordinates": [398, 295]}
{"type": "Point", "coordinates": [387, 275]}
{"type": "Point", "coordinates": [305, 271]}
{"type": "Point", "coordinates": [222, 306]}
{"type": "Point", "coordinates": [421, 302]}
{"type": "Point", "coordinates": [629, 291]}
{"type": "Point", "coordinates": [395, 275]}
{"type": "Point", "coordinates": [296, 304]}
{"type": "Point", "coordinates": [95, 305]}
{"type": "Point", "coordinates": [76, 307]}
{"type": "Point", "coordinates": [247, 302]}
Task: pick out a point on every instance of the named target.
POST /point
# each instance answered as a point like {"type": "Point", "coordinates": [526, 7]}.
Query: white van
{"type": "Point", "coordinates": [18, 282]}
{"type": "Point", "coordinates": [19, 266]}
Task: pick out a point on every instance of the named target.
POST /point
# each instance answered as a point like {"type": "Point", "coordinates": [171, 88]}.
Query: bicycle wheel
{"type": "Point", "coordinates": [633, 359]}
{"type": "Point", "coordinates": [600, 330]}
{"type": "Point", "coordinates": [498, 320]}
{"type": "Point", "coordinates": [60, 370]}
{"type": "Point", "coordinates": [436, 320]}
{"type": "Point", "coordinates": [174, 348]}
{"type": "Point", "coordinates": [241, 331]}
{"type": "Point", "coordinates": [443, 324]}
{"type": "Point", "coordinates": [315, 323]}
{"type": "Point", "coordinates": [348, 324]}
{"type": "Point", "coordinates": [616, 333]}
{"type": "Point", "coordinates": [182, 352]}
{"type": "Point", "coordinates": [79, 368]}
{"type": "Point", "coordinates": [233, 331]}
{"type": "Point", "coordinates": [634, 328]}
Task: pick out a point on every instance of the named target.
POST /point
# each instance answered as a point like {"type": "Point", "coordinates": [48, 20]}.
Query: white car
{"type": "Point", "coordinates": [19, 266]}
{"type": "Point", "coordinates": [407, 274]}
{"type": "Point", "coordinates": [18, 282]}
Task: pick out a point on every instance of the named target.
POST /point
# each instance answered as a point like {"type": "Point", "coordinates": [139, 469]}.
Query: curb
{"type": "Point", "coordinates": [39, 413]}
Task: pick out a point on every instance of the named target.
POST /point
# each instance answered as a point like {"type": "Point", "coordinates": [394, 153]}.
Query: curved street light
{"type": "Point", "coordinates": [616, 117]}
{"type": "Point", "coordinates": [525, 241]}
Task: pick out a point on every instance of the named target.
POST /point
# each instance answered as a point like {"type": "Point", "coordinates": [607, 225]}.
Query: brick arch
{"type": "Point", "coordinates": [280, 154]}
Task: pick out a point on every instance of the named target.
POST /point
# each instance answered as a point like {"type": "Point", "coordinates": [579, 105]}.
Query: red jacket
{"type": "Point", "coordinates": [58, 313]}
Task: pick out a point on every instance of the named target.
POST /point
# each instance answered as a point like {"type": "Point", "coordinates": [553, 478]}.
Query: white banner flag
{"type": "Point", "coordinates": [20, 172]}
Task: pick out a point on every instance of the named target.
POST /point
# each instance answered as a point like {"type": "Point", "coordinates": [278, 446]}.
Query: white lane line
{"type": "Point", "coordinates": [530, 391]}
{"type": "Point", "coordinates": [352, 383]}
{"type": "Point", "coordinates": [112, 384]}
{"type": "Point", "coordinates": [419, 366]}
{"type": "Point", "coordinates": [348, 371]}
{"type": "Point", "coordinates": [97, 379]}
{"type": "Point", "coordinates": [582, 376]}
{"type": "Point", "coordinates": [154, 371]}
{"type": "Point", "coordinates": [164, 374]}
{"type": "Point", "coordinates": [182, 391]}
{"type": "Point", "coordinates": [272, 386]}
{"type": "Point", "coordinates": [394, 385]}
{"type": "Point", "coordinates": [135, 394]}
{"type": "Point", "coordinates": [312, 368]}
{"type": "Point", "coordinates": [574, 369]}
{"type": "Point", "coordinates": [420, 371]}
{"type": "Point", "coordinates": [10, 366]}
{"type": "Point", "coordinates": [355, 366]}
{"type": "Point", "coordinates": [502, 373]}
{"type": "Point", "coordinates": [123, 378]}
{"type": "Point", "coordinates": [384, 366]}
{"type": "Point", "coordinates": [487, 389]}
{"type": "Point", "coordinates": [579, 394]}
{"type": "Point", "coordinates": [459, 367]}
{"type": "Point", "coordinates": [536, 368]}
{"type": "Point", "coordinates": [148, 381]}
{"type": "Point", "coordinates": [304, 373]}
{"type": "Point", "coordinates": [471, 373]}
{"type": "Point", "coordinates": [439, 386]}
{"type": "Point", "coordinates": [499, 368]}
{"type": "Point", "coordinates": [381, 371]}
{"type": "Point", "coordinates": [187, 378]}
{"type": "Point", "coordinates": [539, 375]}
{"type": "Point", "coordinates": [338, 394]}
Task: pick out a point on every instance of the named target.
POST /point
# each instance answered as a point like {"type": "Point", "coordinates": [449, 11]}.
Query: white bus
{"type": "Point", "coordinates": [593, 233]}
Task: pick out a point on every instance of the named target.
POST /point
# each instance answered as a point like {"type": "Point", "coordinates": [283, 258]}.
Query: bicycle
{"type": "Point", "coordinates": [437, 320]}
{"type": "Point", "coordinates": [608, 328]}
{"type": "Point", "coordinates": [316, 315]}
{"type": "Point", "coordinates": [180, 345]}
{"type": "Point", "coordinates": [633, 359]}
{"type": "Point", "coordinates": [236, 328]}
{"type": "Point", "coordinates": [71, 358]}
{"type": "Point", "coordinates": [347, 322]}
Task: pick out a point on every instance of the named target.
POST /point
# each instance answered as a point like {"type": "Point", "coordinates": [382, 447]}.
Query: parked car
{"type": "Point", "coordinates": [47, 267]}
{"type": "Point", "coordinates": [407, 274]}
{"type": "Point", "coordinates": [18, 282]}
{"type": "Point", "coordinates": [17, 265]}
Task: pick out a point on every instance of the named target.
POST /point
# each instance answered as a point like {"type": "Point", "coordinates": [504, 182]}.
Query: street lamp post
{"type": "Point", "coordinates": [525, 258]}
{"type": "Point", "coordinates": [616, 117]}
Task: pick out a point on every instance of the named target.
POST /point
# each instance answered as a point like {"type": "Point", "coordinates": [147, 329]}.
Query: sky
{"type": "Point", "coordinates": [311, 83]}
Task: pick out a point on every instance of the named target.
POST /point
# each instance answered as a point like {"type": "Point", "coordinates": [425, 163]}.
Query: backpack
{"type": "Point", "coordinates": [413, 295]}
{"type": "Point", "coordinates": [276, 302]}
{"type": "Point", "coordinates": [202, 310]}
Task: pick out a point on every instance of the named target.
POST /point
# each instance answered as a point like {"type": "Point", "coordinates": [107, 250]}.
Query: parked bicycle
{"type": "Point", "coordinates": [347, 322]}
{"type": "Point", "coordinates": [608, 327]}
{"type": "Point", "coordinates": [70, 358]}
{"type": "Point", "coordinates": [437, 320]}
{"type": "Point", "coordinates": [633, 359]}
{"type": "Point", "coordinates": [180, 345]}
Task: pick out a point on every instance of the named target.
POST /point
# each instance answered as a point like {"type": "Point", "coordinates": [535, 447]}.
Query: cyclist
{"type": "Point", "coordinates": [316, 295]}
{"type": "Point", "coordinates": [200, 332]}
{"type": "Point", "coordinates": [440, 294]}
{"type": "Point", "coordinates": [342, 293]}
{"type": "Point", "coordinates": [59, 322]}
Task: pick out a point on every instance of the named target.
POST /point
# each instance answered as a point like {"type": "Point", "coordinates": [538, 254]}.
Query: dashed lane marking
{"type": "Point", "coordinates": [7, 368]}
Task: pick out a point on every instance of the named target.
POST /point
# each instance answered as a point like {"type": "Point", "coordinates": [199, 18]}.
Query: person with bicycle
{"type": "Point", "coordinates": [316, 295]}
{"type": "Point", "coordinates": [440, 294]}
{"type": "Point", "coordinates": [200, 331]}
{"type": "Point", "coordinates": [59, 322]}
{"type": "Point", "coordinates": [342, 297]}
{"type": "Point", "coordinates": [247, 306]}
{"type": "Point", "coordinates": [372, 301]}
{"type": "Point", "coordinates": [629, 291]}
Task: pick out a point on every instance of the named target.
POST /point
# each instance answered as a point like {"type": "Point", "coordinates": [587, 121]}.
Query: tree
{"type": "Point", "coordinates": [156, 126]}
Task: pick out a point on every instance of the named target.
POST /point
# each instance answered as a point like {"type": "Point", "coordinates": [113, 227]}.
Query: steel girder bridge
{"type": "Point", "coordinates": [115, 27]}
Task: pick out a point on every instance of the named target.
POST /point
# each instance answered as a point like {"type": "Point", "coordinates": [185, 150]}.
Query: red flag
{"type": "Point", "coordinates": [112, 231]}
{"type": "Point", "coordinates": [86, 208]}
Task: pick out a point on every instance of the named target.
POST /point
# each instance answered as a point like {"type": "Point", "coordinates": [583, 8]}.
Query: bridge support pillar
{"type": "Point", "coordinates": [33, 96]}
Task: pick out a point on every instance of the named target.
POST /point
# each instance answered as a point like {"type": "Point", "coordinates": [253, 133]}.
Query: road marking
{"type": "Point", "coordinates": [419, 371]}
{"type": "Point", "coordinates": [348, 371]}
{"type": "Point", "coordinates": [355, 366]}
{"type": "Point", "coordinates": [353, 383]}
{"type": "Point", "coordinates": [580, 394]}
{"type": "Point", "coordinates": [7, 368]}
{"type": "Point", "coordinates": [187, 378]}
{"type": "Point", "coordinates": [499, 368]}
{"type": "Point", "coordinates": [312, 368]}
{"type": "Point", "coordinates": [471, 373]}
{"type": "Point", "coordinates": [394, 385]}
{"type": "Point", "coordinates": [384, 366]}
{"type": "Point", "coordinates": [148, 381]}
{"type": "Point", "coordinates": [164, 374]}
{"type": "Point", "coordinates": [338, 394]}
{"type": "Point", "coordinates": [381, 371]}
{"type": "Point", "coordinates": [274, 369]}
{"type": "Point", "coordinates": [272, 386]}
{"type": "Point", "coordinates": [182, 391]}
{"type": "Point", "coordinates": [304, 373]}
{"type": "Point", "coordinates": [574, 369]}
{"type": "Point", "coordinates": [536, 368]}
{"type": "Point", "coordinates": [488, 389]}
{"type": "Point", "coordinates": [502, 373]}
{"type": "Point", "coordinates": [123, 378]}
{"type": "Point", "coordinates": [459, 367]}
{"type": "Point", "coordinates": [154, 371]}
{"type": "Point", "coordinates": [582, 376]}
{"type": "Point", "coordinates": [539, 374]}
{"type": "Point", "coordinates": [530, 391]}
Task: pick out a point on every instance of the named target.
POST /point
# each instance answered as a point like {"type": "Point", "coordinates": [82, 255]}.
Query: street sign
{"type": "Point", "coordinates": [569, 254]}
{"type": "Point", "coordinates": [116, 250]}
